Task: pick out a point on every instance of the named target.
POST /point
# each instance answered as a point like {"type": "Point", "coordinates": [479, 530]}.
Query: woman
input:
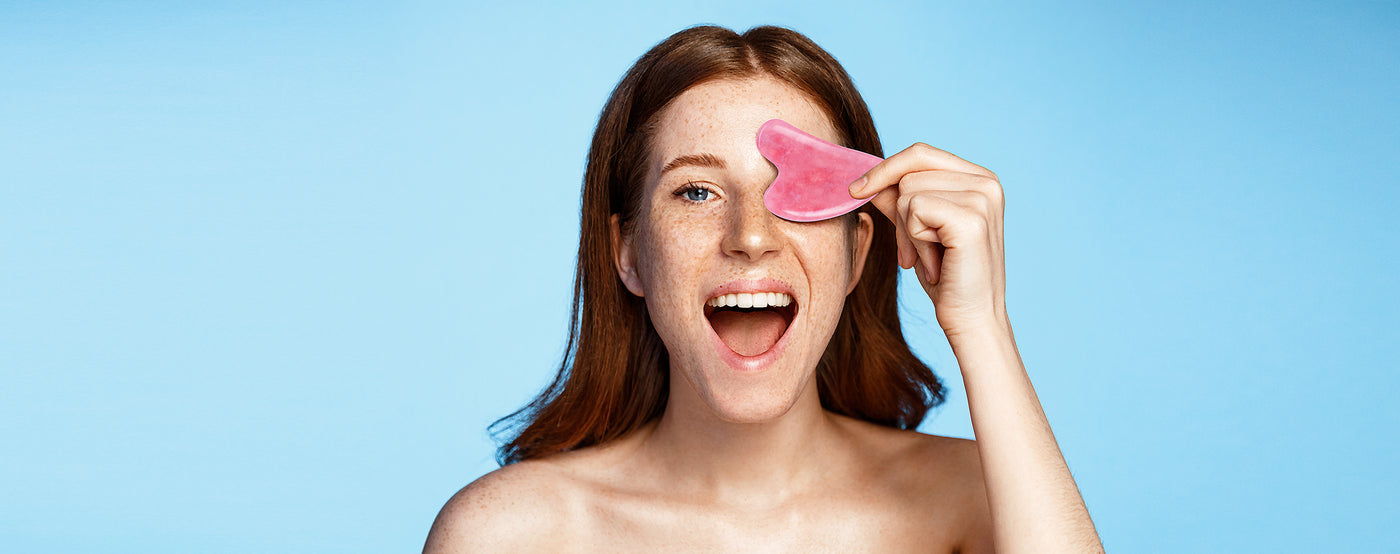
{"type": "Point", "coordinates": [681, 421]}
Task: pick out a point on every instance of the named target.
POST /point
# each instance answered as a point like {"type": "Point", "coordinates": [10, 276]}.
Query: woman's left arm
{"type": "Point", "coordinates": [948, 214]}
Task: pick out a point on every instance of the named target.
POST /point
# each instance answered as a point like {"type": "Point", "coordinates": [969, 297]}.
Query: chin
{"type": "Point", "coordinates": [750, 413]}
{"type": "Point", "coordinates": [767, 371]}
{"type": "Point", "coordinates": [754, 402]}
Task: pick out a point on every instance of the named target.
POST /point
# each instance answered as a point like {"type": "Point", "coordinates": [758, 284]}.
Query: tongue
{"type": "Point", "coordinates": [748, 333]}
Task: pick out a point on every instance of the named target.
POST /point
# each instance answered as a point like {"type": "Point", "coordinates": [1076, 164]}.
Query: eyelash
{"type": "Point", "coordinates": [692, 187]}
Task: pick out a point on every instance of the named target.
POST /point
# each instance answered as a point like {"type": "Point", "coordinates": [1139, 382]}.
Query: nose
{"type": "Point", "coordinates": [752, 231]}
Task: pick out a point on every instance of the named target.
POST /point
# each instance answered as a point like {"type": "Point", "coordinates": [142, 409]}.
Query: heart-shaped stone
{"type": "Point", "coordinates": [814, 176]}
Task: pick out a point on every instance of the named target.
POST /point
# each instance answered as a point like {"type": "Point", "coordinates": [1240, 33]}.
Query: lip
{"type": "Point", "coordinates": [739, 361]}
{"type": "Point", "coordinates": [752, 285]}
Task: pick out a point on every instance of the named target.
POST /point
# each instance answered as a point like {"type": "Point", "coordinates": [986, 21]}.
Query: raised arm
{"type": "Point", "coordinates": [948, 213]}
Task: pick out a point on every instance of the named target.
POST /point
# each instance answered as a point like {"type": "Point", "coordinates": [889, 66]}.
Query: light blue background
{"type": "Point", "coordinates": [268, 270]}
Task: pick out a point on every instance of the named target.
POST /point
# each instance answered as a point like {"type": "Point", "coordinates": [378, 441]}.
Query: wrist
{"type": "Point", "coordinates": [993, 327]}
{"type": "Point", "coordinates": [987, 355]}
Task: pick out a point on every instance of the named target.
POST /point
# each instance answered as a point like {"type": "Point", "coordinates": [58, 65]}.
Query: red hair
{"type": "Point", "coordinates": [615, 372]}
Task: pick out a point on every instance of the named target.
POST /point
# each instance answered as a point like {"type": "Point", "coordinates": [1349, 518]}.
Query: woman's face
{"type": "Point", "coordinates": [703, 239]}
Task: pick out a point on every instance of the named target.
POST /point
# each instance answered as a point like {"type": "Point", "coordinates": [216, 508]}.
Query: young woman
{"type": "Point", "coordinates": [681, 421]}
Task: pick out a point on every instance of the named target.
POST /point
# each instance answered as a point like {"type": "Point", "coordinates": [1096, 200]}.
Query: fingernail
{"type": "Point", "coordinates": [856, 186]}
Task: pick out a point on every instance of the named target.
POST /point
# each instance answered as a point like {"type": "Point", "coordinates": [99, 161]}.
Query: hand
{"type": "Point", "coordinates": [947, 214]}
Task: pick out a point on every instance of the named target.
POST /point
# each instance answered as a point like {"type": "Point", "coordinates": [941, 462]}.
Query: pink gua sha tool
{"type": "Point", "coordinates": [814, 176]}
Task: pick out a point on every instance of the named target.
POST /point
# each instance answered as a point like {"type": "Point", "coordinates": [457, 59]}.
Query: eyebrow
{"type": "Point", "coordinates": [696, 160]}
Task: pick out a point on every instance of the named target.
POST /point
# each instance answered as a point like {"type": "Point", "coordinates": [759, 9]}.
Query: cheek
{"type": "Point", "coordinates": [672, 258]}
{"type": "Point", "coordinates": [678, 242]}
{"type": "Point", "coordinates": [826, 249]}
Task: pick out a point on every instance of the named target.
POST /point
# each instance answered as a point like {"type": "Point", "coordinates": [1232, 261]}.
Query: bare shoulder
{"type": "Point", "coordinates": [936, 476]}
{"type": "Point", "coordinates": [546, 504]}
{"type": "Point", "coordinates": [514, 509]}
{"type": "Point", "coordinates": [959, 477]}
{"type": "Point", "coordinates": [929, 457]}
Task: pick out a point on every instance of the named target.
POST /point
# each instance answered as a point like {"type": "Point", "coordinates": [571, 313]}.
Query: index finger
{"type": "Point", "coordinates": [917, 157]}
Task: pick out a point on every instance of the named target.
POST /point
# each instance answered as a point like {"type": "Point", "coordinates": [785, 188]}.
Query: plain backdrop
{"type": "Point", "coordinates": [269, 269]}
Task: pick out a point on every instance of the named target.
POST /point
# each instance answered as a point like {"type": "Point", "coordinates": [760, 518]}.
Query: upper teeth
{"type": "Point", "coordinates": [750, 300]}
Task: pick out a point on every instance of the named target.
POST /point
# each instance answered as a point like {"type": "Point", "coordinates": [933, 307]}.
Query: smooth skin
{"type": "Point", "coordinates": [949, 214]}
{"type": "Point", "coordinates": [749, 461]}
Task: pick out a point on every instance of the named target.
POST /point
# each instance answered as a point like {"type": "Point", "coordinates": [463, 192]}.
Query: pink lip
{"type": "Point", "coordinates": [752, 285]}
{"type": "Point", "coordinates": [739, 361]}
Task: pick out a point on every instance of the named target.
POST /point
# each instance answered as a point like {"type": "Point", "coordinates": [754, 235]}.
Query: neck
{"type": "Point", "coordinates": [696, 451]}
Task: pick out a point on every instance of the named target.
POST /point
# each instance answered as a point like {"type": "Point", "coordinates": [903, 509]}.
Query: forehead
{"type": "Point", "coordinates": [722, 118]}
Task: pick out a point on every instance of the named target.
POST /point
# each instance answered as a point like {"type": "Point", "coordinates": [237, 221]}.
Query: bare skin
{"type": "Point", "coordinates": [876, 490]}
{"type": "Point", "coordinates": [746, 459]}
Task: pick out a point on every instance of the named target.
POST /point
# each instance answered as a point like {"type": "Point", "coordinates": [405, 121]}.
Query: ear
{"type": "Point", "coordinates": [864, 232]}
{"type": "Point", "coordinates": [623, 257]}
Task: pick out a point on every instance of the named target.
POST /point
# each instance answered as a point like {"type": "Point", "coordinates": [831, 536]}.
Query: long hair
{"type": "Point", "coordinates": [615, 372]}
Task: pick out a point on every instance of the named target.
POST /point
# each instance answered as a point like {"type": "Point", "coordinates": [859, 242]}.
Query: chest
{"type": "Point", "coordinates": [802, 525]}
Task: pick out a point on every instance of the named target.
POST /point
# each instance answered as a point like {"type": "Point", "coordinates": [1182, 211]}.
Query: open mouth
{"type": "Point", "coordinates": [751, 323]}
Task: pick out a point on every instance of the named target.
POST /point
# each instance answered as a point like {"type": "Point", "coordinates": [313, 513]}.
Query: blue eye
{"type": "Point", "coordinates": [694, 193]}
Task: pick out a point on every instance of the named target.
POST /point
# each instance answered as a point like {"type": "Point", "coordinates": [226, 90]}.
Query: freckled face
{"type": "Point", "coordinates": [703, 226]}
